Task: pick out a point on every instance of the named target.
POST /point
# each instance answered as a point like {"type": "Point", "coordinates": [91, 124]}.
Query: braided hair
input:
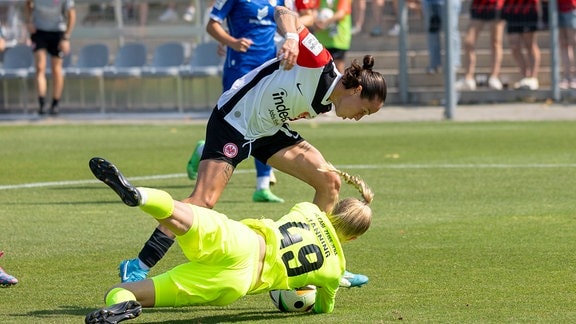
{"type": "Point", "coordinates": [351, 217]}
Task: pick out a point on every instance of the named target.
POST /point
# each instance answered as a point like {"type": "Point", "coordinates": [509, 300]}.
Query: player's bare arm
{"type": "Point", "coordinates": [217, 31]}
{"type": "Point", "coordinates": [289, 26]}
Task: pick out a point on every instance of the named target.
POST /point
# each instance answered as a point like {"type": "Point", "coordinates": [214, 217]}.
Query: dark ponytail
{"type": "Point", "coordinates": [372, 82]}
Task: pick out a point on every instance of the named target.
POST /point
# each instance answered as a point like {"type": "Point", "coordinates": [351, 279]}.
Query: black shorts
{"type": "Point", "coordinates": [521, 23]}
{"type": "Point", "coordinates": [485, 13]}
{"type": "Point", "coordinates": [225, 143]}
{"type": "Point", "coordinates": [48, 40]}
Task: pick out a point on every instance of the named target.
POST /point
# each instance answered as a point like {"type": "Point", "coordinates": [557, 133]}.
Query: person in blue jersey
{"type": "Point", "coordinates": [228, 259]}
{"type": "Point", "coordinates": [251, 119]}
{"type": "Point", "coordinates": [248, 38]}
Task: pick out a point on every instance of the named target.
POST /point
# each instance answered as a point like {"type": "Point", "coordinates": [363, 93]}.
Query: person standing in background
{"type": "Point", "coordinates": [359, 16]}
{"type": "Point", "coordinates": [307, 10]}
{"type": "Point", "coordinates": [434, 18]}
{"type": "Point", "coordinates": [483, 12]}
{"type": "Point", "coordinates": [333, 28]}
{"type": "Point", "coordinates": [50, 24]}
{"type": "Point", "coordinates": [567, 25]}
{"type": "Point", "coordinates": [12, 29]}
{"type": "Point", "coordinates": [522, 20]}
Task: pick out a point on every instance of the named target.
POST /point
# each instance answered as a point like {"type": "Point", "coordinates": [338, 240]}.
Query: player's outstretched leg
{"type": "Point", "coordinates": [110, 175]}
{"type": "Point", "coordinates": [115, 313]}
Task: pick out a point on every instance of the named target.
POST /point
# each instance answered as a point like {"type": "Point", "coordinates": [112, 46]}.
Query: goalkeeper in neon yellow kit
{"type": "Point", "coordinates": [229, 259]}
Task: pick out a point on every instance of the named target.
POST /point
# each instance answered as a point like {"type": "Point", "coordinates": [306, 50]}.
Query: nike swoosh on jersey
{"type": "Point", "coordinates": [298, 87]}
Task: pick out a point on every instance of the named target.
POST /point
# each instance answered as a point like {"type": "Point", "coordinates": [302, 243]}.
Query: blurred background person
{"type": "Point", "coordinates": [434, 18]}
{"type": "Point", "coordinates": [359, 16]}
{"type": "Point", "coordinates": [567, 37]}
{"type": "Point", "coordinates": [483, 12]}
{"type": "Point", "coordinates": [413, 5]}
{"type": "Point", "coordinates": [333, 28]}
{"type": "Point", "coordinates": [12, 28]}
{"type": "Point", "coordinates": [171, 12]}
{"type": "Point", "coordinates": [50, 30]}
{"type": "Point", "coordinates": [522, 22]}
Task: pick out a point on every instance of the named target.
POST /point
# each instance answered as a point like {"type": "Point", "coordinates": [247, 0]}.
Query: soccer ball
{"type": "Point", "coordinates": [325, 14]}
{"type": "Point", "coordinates": [296, 300]}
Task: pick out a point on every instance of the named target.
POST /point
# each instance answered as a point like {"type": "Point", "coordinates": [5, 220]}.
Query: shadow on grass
{"type": "Point", "coordinates": [245, 316]}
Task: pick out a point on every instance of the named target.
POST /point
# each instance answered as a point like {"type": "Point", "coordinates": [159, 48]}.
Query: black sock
{"type": "Point", "coordinates": [41, 102]}
{"type": "Point", "coordinates": [155, 248]}
{"type": "Point", "coordinates": [55, 103]}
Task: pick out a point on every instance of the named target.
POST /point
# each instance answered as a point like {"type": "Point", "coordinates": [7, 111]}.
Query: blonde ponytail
{"type": "Point", "coordinates": [351, 217]}
{"type": "Point", "coordinates": [359, 184]}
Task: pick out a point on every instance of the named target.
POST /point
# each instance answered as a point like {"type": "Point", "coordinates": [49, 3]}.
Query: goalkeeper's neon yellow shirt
{"type": "Point", "coordinates": [302, 248]}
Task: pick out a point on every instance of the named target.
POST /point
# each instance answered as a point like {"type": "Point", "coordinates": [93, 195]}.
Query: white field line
{"type": "Point", "coordinates": [343, 167]}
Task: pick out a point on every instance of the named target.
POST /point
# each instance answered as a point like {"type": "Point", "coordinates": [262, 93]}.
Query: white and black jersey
{"type": "Point", "coordinates": [259, 103]}
{"type": "Point", "coordinates": [251, 118]}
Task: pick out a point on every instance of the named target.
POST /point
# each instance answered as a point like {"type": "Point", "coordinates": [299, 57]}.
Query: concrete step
{"type": "Point", "coordinates": [419, 59]}
{"type": "Point", "coordinates": [436, 96]}
{"type": "Point", "coordinates": [417, 41]}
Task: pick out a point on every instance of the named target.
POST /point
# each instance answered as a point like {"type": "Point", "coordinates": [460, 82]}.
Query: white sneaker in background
{"type": "Point", "coordinates": [394, 31]}
{"type": "Point", "coordinates": [465, 84]}
{"type": "Point", "coordinates": [168, 15]}
{"type": "Point", "coordinates": [566, 84]}
{"type": "Point", "coordinates": [189, 14]}
{"type": "Point", "coordinates": [532, 83]}
{"type": "Point", "coordinates": [527, 84]}
{"type": "Point", "coordinates": [494, 83]}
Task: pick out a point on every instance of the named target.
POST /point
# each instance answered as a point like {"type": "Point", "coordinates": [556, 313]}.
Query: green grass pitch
{"type": "Point", "coordinates": [473, 222]}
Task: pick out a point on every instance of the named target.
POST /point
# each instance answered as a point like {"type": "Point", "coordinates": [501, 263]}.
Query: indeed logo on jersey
{"type": "Point", "coordinates": [280, 113]}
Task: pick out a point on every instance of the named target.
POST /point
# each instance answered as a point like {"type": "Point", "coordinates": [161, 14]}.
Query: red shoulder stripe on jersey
{"type": "Point", "coordinates": [306, 4]}
{"type": "Point", "coordinates": [312, 54]}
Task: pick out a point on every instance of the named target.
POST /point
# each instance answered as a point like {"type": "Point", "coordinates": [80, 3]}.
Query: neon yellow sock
{"type": "Point", "coordinates": [157, 203]}
{"type": "Point", "coordinates": [119, 295]}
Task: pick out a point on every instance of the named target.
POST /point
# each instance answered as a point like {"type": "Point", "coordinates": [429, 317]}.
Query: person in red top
{"type": "Point", "coordinates": [522, 18]}
{"type": "Point", "coordinates": [483, 12]}
{"type": "Point", "coordinates": [567, 36]}
{"type": "Point", "coordinates": [306, 9]}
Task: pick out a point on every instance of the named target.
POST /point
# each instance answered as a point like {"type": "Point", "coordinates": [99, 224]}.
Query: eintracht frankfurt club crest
{"type": "Point", "coordinates": [230, 150]}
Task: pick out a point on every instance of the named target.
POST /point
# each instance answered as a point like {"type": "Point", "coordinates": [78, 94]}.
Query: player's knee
{"type": "Point", "coordinates": [201, 201]}
{"type": "Point", "coordinates": [330, 183]}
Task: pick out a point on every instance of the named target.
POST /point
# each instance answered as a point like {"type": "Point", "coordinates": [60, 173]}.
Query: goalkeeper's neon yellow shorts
{"type": "Point", "coordinates": [224, 256]}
